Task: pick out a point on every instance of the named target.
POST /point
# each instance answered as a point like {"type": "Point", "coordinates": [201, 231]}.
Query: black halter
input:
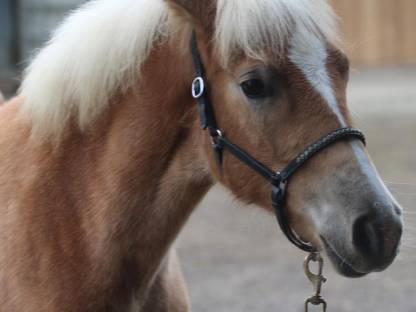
{"type": "Point", "coordinates": [279, 179]}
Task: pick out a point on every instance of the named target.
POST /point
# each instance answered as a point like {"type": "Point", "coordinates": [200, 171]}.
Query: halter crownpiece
{"type": "Point", "coordinates": [278, 180]}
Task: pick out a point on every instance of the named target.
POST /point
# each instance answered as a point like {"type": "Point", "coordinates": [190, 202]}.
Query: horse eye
{"type": "Point", "coordinates": [255, 89]}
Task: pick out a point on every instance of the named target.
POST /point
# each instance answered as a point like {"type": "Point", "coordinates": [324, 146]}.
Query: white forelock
{"type": "Point", "coordinates": [252, 26]}
{"type": "Point", "coordinates": [99, 48]}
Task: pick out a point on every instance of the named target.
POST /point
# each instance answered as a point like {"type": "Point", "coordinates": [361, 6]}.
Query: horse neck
{"type": "Point", "coordinates": [145, 170]}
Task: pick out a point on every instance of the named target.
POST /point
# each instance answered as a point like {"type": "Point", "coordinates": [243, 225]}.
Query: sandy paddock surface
{"type": "Point", "coordinates": [236, 260]}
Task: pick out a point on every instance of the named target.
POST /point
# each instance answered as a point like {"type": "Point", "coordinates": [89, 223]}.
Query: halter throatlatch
{"type": "Point", "coordinates": [279, 179]}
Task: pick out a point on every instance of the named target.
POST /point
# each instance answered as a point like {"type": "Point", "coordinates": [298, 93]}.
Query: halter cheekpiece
{"type": "Point", "coordinates": [278, 180]}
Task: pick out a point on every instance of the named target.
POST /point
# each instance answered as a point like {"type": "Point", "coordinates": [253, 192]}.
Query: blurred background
{"type": "Point", "coordinates": [234, 257]}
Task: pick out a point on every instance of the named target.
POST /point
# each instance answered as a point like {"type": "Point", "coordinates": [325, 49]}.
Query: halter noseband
{"type": "Point", "coordinates": [278, 180]}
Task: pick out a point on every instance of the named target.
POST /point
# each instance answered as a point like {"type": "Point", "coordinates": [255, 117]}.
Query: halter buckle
{"type": "Point", "coordinates": [198, 87]}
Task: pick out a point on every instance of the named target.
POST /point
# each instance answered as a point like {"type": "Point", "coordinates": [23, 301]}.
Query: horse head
{"type": "Point", "coordinates": [276, 78]}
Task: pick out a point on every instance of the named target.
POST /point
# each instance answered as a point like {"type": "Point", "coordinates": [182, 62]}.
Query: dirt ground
{"type": "Point", "coordinates": [236, 260]}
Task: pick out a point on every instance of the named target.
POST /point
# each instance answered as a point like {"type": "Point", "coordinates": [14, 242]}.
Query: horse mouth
{"type": "Point", "coordinates": [339, 263]}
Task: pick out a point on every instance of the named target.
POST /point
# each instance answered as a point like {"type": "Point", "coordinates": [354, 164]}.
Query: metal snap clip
{"type": "Point", "coordinates": [317, 281]}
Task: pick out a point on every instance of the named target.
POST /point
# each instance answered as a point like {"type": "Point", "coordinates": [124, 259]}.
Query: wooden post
{"type": "Point", "coordinates": [378, 32]}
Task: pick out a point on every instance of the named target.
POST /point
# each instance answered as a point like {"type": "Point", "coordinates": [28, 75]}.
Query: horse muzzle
{"type": "Point", "coordinates": [375, 241]}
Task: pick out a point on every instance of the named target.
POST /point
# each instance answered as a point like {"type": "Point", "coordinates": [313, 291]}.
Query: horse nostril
{"type": "Point", "coordinates": [376, 238]}
{"type": "Point", "coordinates": [398, 210]}
{"type": "Point", "coordinates": [367, 237]}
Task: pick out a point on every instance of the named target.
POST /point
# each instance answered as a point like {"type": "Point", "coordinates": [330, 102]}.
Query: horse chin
{"type": "Point", "coordinates": [340, 265]}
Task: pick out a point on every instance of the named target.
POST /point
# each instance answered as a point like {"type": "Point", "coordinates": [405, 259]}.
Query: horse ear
{"type": "Point", "coordinates": [200, 13]}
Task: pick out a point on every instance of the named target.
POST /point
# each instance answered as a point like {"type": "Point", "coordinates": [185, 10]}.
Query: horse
{"type": "Point", "coordinates": [103, 159]}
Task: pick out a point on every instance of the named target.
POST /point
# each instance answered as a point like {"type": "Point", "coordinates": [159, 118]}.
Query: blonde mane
{"type": "Point", "coordinates": [96, 51]}
{"type": "Point", "coordinates": [99, 49]}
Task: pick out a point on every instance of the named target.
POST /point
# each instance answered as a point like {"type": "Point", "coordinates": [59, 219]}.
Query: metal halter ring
{"type": "Point", "coordinates": [215, 135]}
{"type": "Point", "coordinates": [219, 133]}
{"type": "Point", "coordinates": [198, 87]}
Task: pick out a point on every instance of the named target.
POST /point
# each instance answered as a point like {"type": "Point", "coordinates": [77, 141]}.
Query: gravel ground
{"type": "Point", "coordinates": [235, 258]}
